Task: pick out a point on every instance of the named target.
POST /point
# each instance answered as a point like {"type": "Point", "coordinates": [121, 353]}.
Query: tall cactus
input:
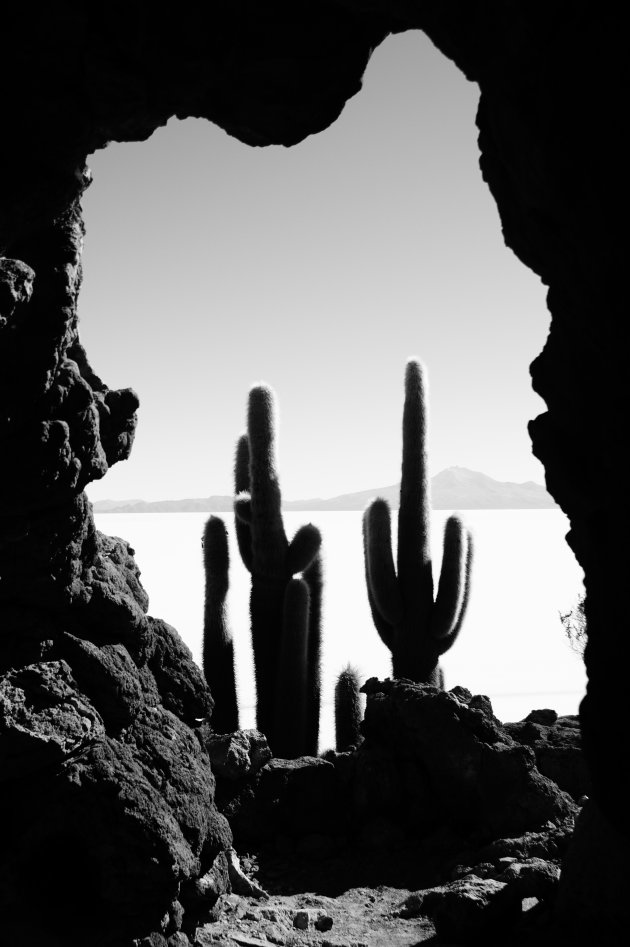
{"type": "Point", "coordinates": [267, 554]}
{"type": "Point", "coordinates": [291, 705]}
{"type": "Point", "coordinates": [347, 710]}
{"type": "Point", "coordinates": [416, 628]}
{"type": "Point", "coordinates": [313, 576]}
{"type": "Point", "coordinates": [218, 648]}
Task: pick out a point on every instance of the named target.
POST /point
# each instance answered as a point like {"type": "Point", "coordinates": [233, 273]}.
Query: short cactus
{"type": "Point", "coordinates": [218, 648]}
{"type": "Point", "coordinates": [415, 628]}
{"type": "Point", "coordinates": [348, 712]}
{"type": "Point", "coordinates": [268, 555]}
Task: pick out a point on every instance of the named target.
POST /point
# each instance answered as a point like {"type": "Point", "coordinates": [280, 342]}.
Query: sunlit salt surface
{"type": "Point", "coordinates": [512, 646]}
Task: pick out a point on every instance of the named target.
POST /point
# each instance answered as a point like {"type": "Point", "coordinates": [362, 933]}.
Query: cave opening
{"type": "Point", "coordinates": [335, 259]}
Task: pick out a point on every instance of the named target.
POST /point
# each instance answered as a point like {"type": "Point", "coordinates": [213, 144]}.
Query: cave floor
{"type": "Point", "coordinates": [360, 917]}
{"type": "Point", "coordinates": [307, 905]}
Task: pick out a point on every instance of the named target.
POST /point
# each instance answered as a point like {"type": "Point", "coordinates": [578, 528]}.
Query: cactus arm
{"type": "Point", "coordinates": [242, 482]}
{"type": "Point", "coordinates": [452, 585]}
{"type": "Point", "coordinates": [242, 486]}
{"type": "Point", "coordinates": [269, 541]}
{"type": "Point", "coordinates": [218, 648]}
{"type": "Point", "coordinates": [385, 630]}
{"type": "Point", "coordinates": [448, 642]}
{"type": "Point", "coordinates": [291, 689]}
{"type": "Point", "coordinates": [414, 553]}
{"type": "Point", "coordinates": [347, 710]}
{"type": "Point", "coordinates": [313, 576]}
{"type": "Point", "coordinates": [303, 548]}
{"type": "Point", "coordinates": [380, 562]}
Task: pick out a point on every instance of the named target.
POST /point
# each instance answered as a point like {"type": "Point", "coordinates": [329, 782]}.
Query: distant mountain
{"type": "Point", "coordinates": [453, 489]}
{"type": "Point", "coordinates": [108, 506]}
{"type": "Point", "coordinates": [457, 488]}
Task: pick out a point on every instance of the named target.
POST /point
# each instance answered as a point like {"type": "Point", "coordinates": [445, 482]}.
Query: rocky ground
{"type": "Point", "coordinates": [305, 878]}
{"type": "Point", "coordinates": [506, 899]}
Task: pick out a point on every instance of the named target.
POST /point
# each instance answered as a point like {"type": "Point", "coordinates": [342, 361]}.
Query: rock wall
{"type": "Point", "coordinates": [96, 683]}
{"type": "Point", "coordinates": [106, 796]}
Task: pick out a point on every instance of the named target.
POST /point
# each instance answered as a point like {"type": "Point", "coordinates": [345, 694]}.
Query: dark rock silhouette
{"type": "Point", "coordinates": [429, 759]}
{"type": "Point", "coordinates": [104, 785]}
{"type": "Point", "coordinates": [119, 816]}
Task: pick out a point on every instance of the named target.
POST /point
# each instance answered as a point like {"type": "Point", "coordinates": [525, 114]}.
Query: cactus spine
{"type": "Point", "coordinates": [272, 561]}
{"type": "Point", "coordinates": [415, 628]}
{"type": "Point", "coordinates": [347, 710]}
{"type": "Point", "coordinates": [218, 648]}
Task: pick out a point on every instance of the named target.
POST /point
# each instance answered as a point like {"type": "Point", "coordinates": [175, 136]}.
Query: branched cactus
{"type": "Point", "coordinates": [416, 628]}
{"type": "Point", "coordinates": [347, 710]}
{"type": "Point", "coordinates": [218, 648]}
{"type": "Point", "coordinates": [269, 556]}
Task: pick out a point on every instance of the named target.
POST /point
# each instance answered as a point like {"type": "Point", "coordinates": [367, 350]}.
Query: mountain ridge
{"type": "Point", "coordinates": [455, 488]}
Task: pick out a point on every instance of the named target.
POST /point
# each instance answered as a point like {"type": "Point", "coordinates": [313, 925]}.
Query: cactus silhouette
{"type": "Point", "coordinates": [271, 559]}
{"type": "Point", "coordinates": [291, 706]}
{"type": "Point", "coordinates": [313, 575]}
{"type": "Point", "coordinates": [347, 710]}
{"type": "Point", "coordinates": [415, 628]}
{"type": "Point", "coordinates": [218, 648]}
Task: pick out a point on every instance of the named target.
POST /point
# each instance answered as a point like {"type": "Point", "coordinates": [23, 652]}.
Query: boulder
{"type": "Point", "coordinates": [237, 755]}
{"type": "Point", "coordinates": [433, 757]}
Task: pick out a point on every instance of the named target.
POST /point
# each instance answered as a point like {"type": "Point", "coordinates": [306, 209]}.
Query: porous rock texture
{"type": "Point", "coordinates": [430, 761]}
{"type": "Point", "coordinates": [439, 817]}
{"type": "Point", "coordinates": [74, 78]}
{"type": "Point", "coordinates": [106, 795]}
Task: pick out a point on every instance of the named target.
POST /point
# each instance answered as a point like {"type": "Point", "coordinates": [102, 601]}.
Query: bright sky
{"type": "Point", "coordinates": [210, 266]}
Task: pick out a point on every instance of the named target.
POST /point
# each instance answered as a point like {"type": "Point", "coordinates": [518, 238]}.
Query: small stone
{"type": "Point", "coordinates": [528, 904]}
{"type": "Point", "coordinates": [229, 902]}
{"type": "Point", "coordinates": [484, 870]}
{"type": "Point", "coordinates": [462, 694]}
{"type": "Point", "coordinates": [545, 716]}
{"type": "Point", "coordinates": [270, 914]}
{"type": "Point", "coordinates": [301, 920]}
{"type": "Point", "coordinates": [178, 939]}
{"type": "Point", "coordinates": [323, 922]}
{"type": "Point", "coordinates": [481, 702]}
{"type": "Point", "coordinates": [275, 933]}
{"type": "Point", "coordinates": [176, 917]}
{"type": "Point", "coordinates": [535, 878]}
